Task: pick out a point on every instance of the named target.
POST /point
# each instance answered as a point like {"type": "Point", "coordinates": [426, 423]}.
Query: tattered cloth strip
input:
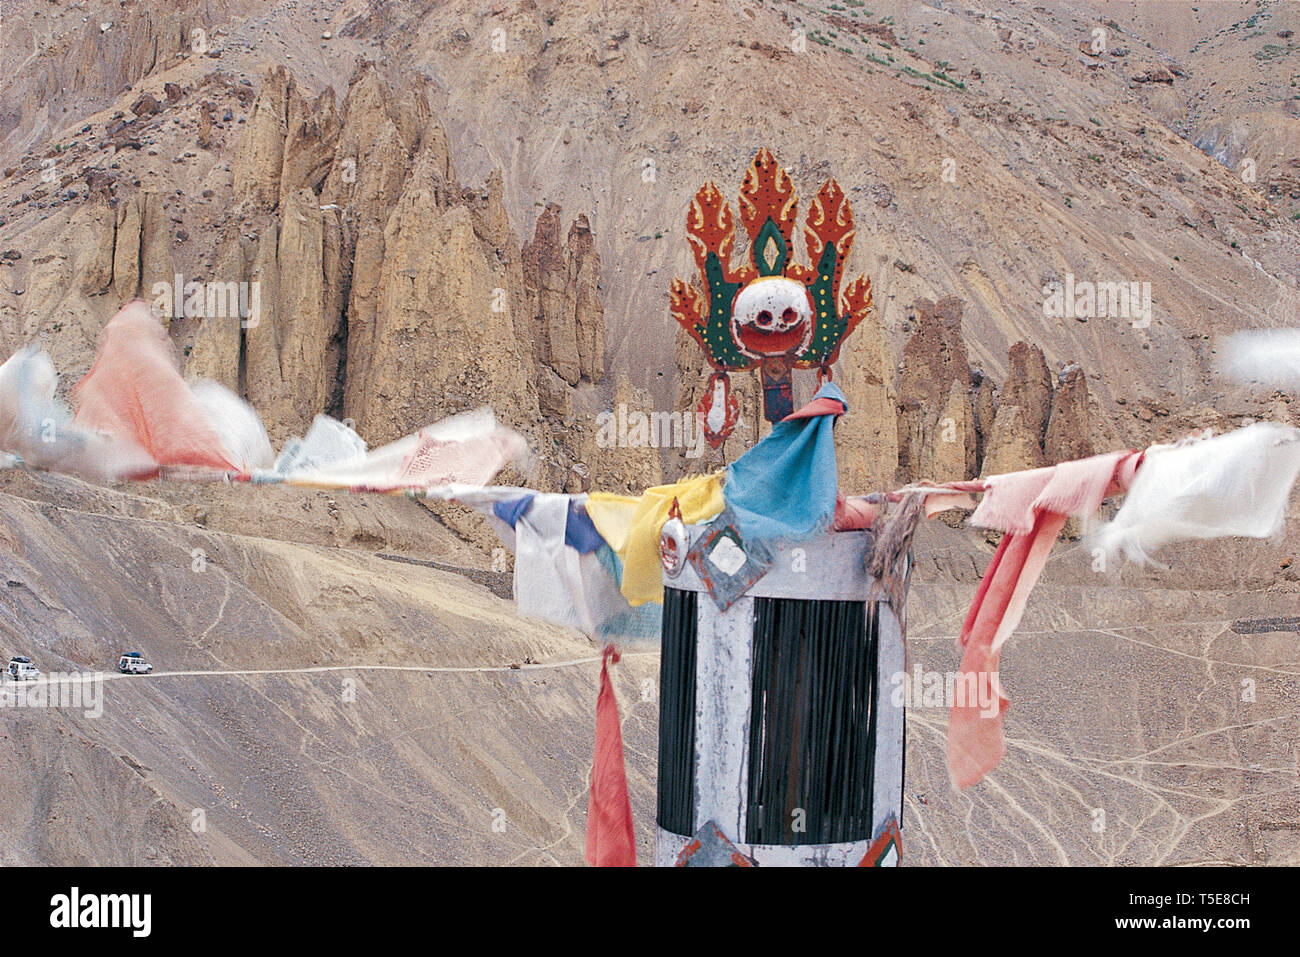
{"type": "Point", "coordinates": [236, 423]}
{"type": "Point", "coordinates": [564, 571]}
{"type": "Point", "coordinates": [327, 443]}
{"type": "Point", "coordinates": [642, 623]}
{"type": "Point", "coordinates": [1031, 507]}
{"type": "Point", "coordinates": [891, 547]}
{"type": "Point", "coordinates": [29, 411]}
{"type": "Point", "coordinates": [940, 498]}
{"type": "Point", "coordinates": [579, 532]}
{"type": "Point", "coordinates": [827, 400]}
{"type": "Point", "coordinates": [555, 581]}
{"type": "Point", "coordinates": [631, 526]}
{"type": "Point", "coordinates": [513, 509]}
{"type": "Point", "coordinates": [134, 393]}
{"type": "Point", "coordinates": [785, 488]}
{"type": "Point", "coordinates": [854, 514]}
{"type": "Point", "coordinates": [900, 514]}
{"type": "Point", "coordinates": [483, 499]}
{"type": "Point", "coordinates": [465, 449]}
{"type": "Point", "coordinates": [37, 426]}
{"type": "Point", "coordinates": [1207, 487]}
{"type": "Point", "coordinates": [610, 838]}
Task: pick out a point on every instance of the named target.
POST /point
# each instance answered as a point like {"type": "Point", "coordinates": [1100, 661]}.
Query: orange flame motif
{"type": "Point", "coordinates": [768, 211]}
{"type": "Point", "coordinates": [767, 192]}
{"type": "Point", "coordinates": [709, 226]}
{"type": "Point", "coordinates": [830, 220]}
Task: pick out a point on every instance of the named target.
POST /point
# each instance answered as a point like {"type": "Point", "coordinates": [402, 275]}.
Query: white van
{"type": "Point", "coordinates": [133, 663]}
{"type": "Point", "coordinates": [21, 669]}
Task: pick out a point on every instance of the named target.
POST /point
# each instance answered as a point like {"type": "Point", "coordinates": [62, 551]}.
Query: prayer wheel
{"type": "Point", "coordinates": [778, 741]}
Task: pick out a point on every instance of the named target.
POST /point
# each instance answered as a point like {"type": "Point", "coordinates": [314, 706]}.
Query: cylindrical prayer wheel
{"type": "Point", "coordinates": [778, 742]}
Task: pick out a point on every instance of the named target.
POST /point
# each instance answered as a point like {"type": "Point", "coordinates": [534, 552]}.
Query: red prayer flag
{"type": "Point", "coordinates": [610, 842]}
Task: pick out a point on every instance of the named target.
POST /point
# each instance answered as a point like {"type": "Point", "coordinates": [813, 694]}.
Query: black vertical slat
{"type": "Point", "coordinates": [835, 703]}
{"type": "Point", "coordinates": [676, 810]}
{"type": "Point", "coordinates": [801, 674]}
{"type": "Point", "coordinates": [813, 722]}
{"type": "Point", "coordinates": [841, 765]}
{"type": "Point", "coordinates": [821, 761]}
{"type": "Point", "coordinates": [813, 769]}
{"type": "Point", "coordinates": [872, 695]}
{"type": "Point", "coordinates": [757, 737]}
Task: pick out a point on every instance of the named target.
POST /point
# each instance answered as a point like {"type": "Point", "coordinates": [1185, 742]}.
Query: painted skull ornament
{"type": "Point", "coordinates": [769, 311]}
{"type": "Point", "coordinates": [772, 316]}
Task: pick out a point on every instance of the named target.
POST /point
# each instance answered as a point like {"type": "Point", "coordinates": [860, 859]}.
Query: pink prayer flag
{"type": "Point", "coordinates": [134, 392]}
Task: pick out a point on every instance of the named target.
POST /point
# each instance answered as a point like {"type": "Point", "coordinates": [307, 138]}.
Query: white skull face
{"type": "Point", "coordinates": [772, 317]}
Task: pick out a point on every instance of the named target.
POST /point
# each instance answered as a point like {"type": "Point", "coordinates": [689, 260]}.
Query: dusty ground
{"type": "Point", "coordinates": [1127, 696]}
{"type": "Point", "coordinates": [285, 769]}
{"type": "Point", "coordinates": [1129, 739]}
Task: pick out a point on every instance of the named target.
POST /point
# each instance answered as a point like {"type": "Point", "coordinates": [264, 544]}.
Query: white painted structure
{"type": "Point", "coordinates": [832, 567]}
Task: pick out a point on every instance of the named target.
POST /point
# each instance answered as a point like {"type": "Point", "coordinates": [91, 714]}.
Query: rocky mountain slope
{"type": "Point", "coordinates": [319, 149]}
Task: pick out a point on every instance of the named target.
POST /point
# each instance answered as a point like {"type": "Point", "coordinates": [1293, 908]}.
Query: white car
{"type": "Point", "coordinates": [21, 669]}
{"type": "Point", "coordinates": [133, 663]}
